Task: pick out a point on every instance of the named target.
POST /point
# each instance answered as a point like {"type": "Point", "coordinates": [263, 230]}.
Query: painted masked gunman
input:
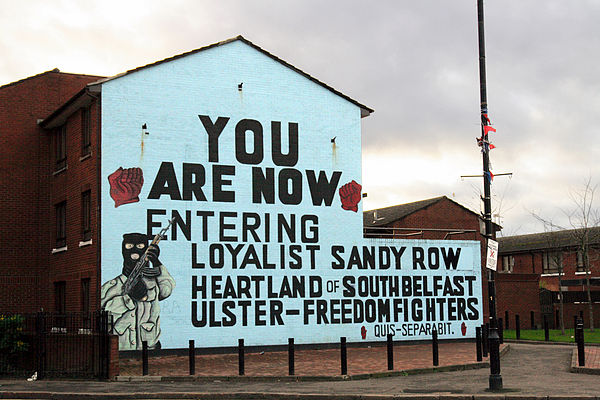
{"type": "Point", "coordinates": [134, 304]}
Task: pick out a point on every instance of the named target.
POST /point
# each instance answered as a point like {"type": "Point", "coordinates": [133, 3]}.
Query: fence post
{"type": "Point", "coordinates": [144, 357]}
{"type": "Point", "coordinates": [484, 338]}
{"type": "Point", "coordinates": [434, 343]}
{"type": "Point", "coordinates": [343, 356]}
{"type": "Point", "coordinates": [241, 357]}
{"type": "Point", "coordinates": [478, 343]}
{"type": "Point", "coordinates": [192, 356]}
{"type": "Point", "coordinates": [105, 338]}
{"type": "Point", "coordinates": [390, 352]}
{"type": "Point", "coordinates": [291, 369]}
{"type": "Point", "coordinates": [40, 331]}
{"type": "Point", "coordinates": [580, 344]}
{"type": "Point", "coordinates": [518, 326]}
{"type": "Point", "coordinates": [546, 329]}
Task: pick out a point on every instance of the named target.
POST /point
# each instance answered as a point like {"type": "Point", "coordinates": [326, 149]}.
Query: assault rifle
{"type": "Point", "coordinates": [136, 273]}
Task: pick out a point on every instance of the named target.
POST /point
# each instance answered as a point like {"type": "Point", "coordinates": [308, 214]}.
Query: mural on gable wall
{"type": "Point", "coordinates": [262, 185]}
{"type": "Point", "coordinates": [133, 296]}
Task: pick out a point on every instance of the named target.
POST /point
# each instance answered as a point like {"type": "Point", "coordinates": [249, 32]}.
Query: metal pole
{"type": "Point", "coordinates": [144, 358]}
{"type": "Point", "coordinates": [241, 364]}
{"type": "Point", "coordinates": [291, 367]}
{"type": "Point", "coordinates": [192, 356]}
{"type": "Point", "coordinates": [580, 344]}
{"type": "Point", "coordinates": [495, 379]}
{"type": "Point", "coordinates": [478, 343]}
{"type": "Point", "coordinates": [343, 356]}
{"type": "Point", "coordinates": [434, 348]}
{"type": "Point", "coordinates": [390, 353]}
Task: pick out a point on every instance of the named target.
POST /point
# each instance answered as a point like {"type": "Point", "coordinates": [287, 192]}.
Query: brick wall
{"type": "Point", "coordinates": [518, 294]}
{"type": "Point", "coordinates": [448, 215]}
{"type": "Point", "coordinates": [25, 217]}
{"type": "Point", "coordinates": [80, 259]}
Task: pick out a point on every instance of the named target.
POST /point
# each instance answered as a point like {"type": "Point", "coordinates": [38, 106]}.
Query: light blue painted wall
{"type": "Point", "coordinates": [168, 98]}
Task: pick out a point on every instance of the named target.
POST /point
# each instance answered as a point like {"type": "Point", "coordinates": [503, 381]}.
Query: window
{"type": "Point", "coordinates": [60, 300]}
{"type": "Point", "coordinates": [61, 224]}
{"type": "Point", "coordinates": [580, 264]}
{"type": "Point", "coordinates": [85, 295]}
{"type": "Point", "coordinates": [86, 132]}
{"type": "Point", "coordinates": [508, 263]}
{"type": "Point", "coordinates": [86, 215]}
{"type": "Point", "coordinates": [551, 262]}
{"type": "Point", "coordinates": [60, 149]}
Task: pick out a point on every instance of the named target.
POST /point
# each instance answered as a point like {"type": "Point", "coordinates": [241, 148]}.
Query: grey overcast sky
{"type": "Point", "coordinates": [414, 62]}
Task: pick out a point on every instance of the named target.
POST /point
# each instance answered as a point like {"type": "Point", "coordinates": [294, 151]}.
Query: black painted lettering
{"type": "Point", "coordinates": [223, 226]}
{"type": "Point", "coordinates": [339, 261]}
{"type": "Point", "coordinates": [263, 185]}
{"type": "Point", "coordinates": [290, 186]}
{"type": "Point", "coordinates": [291, 158]}
{"type": "Point", "coordinates": [322, 189]}
{"type": "Point", "coordinates": [241, 152]}
{"type": "Point", "coordinates": [165, 183]}
{"type": "Point", "coordinates": [226, 196]}
{"type": "Point", "coordinates": [184, 226]}
{"type": "Point", "coordinates": [451, 257]}
{"type": "Point", "coordinates": [150, 224]}
{"type": "Point", "coordinates": [214, 131]}
{"type": "Point", "coordinates": [193, 179]}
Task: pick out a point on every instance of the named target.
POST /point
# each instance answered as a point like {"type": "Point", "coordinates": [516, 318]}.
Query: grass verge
{"type": "Point", "coordinates": [555, 335]}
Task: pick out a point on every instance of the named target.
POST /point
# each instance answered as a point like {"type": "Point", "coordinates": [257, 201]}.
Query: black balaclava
{"type": "Point", "coordinates": [138, 243]}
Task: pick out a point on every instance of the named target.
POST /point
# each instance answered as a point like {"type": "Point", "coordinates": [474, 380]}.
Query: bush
{"type": "Point", "coordinates": [12, 339]}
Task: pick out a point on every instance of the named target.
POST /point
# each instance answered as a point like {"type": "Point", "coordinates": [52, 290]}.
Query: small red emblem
{"type": "Point", "coordinates": [350, 195]}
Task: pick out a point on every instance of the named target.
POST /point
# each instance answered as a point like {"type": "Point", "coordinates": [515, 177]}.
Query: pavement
{"type": "Point", "coordinates": [529, 371]}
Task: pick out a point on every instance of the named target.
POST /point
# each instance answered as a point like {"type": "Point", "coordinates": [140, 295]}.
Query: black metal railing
{"type": "Point", "coordinates": [55, 345]}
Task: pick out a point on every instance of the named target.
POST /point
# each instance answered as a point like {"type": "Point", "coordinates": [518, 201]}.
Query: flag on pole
{"type": "Point", "coordinates": [487, 129]}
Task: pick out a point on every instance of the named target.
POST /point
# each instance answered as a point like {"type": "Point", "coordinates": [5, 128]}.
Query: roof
{"type": "Point", "coordinates": [52, 71]}
{"type": "Point", "coordinates": [387, 215]}
{"type": "Point", "coordinates": [365, 111]}
{"type": "Point", "coordinates": [545, 240]}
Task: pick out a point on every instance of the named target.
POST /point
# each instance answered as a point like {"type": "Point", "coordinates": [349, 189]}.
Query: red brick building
{"type": "Point", "coordinates": [436, 218]}
{"type": "Point", "coordinates": [529, 265]}
{"type": "Point", "coordinates": [35, 184]}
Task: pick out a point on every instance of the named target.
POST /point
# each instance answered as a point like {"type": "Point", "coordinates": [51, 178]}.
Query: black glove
{"type": "Point", "coordinates": [152, 256]}
{"type": "Point", "coordinates": [138, 291]}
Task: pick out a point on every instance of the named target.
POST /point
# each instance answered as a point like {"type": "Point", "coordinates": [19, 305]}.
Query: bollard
{"type": "Point", "coordinates": [241, 356]}
{"type": "Point", "coordinates": [484, 339]}
{"type": "Point", "coordinates": [546, 329]}
{"type": "Point", "coordinates": [478, 343]}
{"type": "Point", "coordinates": [192, 356]}
{"type": "Point", "coordinates": [500, 330]}
{"type": "Point", "coordinates": [390, 352]}
{"type": "Point", "coordinates": [518, 326]}
{"type": "Point", "coordinates": [580, 345]}
{"type": "Point", "coordinates": [434, 344]}
{"type": "Point", "coordinates": [343, 356]}
{"type": "Point", "coordinates": [291, 369]}
{"type": "Point", "coordinates": [144, 358]}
